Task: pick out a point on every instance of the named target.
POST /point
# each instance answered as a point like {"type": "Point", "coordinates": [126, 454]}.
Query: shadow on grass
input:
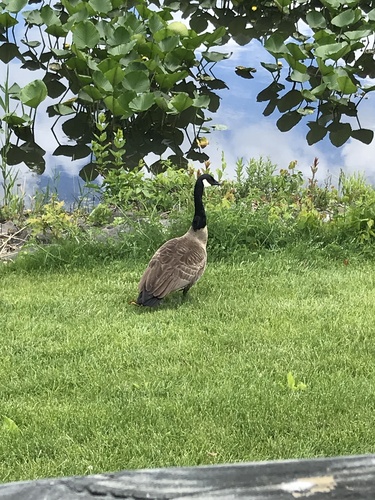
{"type": "Point", "coordinates": [173, 301]}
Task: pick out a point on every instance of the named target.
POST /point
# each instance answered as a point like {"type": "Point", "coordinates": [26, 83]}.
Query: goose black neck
{"type": "Point", "coordinates": [199, 221]}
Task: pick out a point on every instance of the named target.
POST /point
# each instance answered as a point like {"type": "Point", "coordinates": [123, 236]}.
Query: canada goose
{"type": "Point", "coordinates": [180, 262]}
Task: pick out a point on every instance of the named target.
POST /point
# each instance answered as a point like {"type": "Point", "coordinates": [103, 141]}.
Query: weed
{"type": "Point", "coordinates": [54, 219]}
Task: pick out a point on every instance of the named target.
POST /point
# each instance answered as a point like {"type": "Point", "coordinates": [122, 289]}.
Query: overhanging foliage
{"type": "Point", "coordinates": [152, 77]}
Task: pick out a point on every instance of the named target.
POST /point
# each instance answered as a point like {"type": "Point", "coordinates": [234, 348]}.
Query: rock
{"type": "Point", "coordinates": [8, 228]}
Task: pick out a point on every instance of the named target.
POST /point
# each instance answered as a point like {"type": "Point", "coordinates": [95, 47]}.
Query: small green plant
{"type": "Point", "coordinates": [101, 215]}
{"type": "Point", "coordinates": [54, 219]}
{"type": "Point", "coordinates": [12, 203]}
{"type": "Point", "coordinates": [9, 426]}
{"type": "Point", "coordinates": [291, 383]}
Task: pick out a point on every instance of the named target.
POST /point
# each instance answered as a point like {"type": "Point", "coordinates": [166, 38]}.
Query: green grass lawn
{"type": "Point", "coordinates": [95, 384]}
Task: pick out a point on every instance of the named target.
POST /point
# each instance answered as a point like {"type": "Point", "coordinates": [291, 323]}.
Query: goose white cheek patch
{"type": "Point", "coordinates": [206, 183]}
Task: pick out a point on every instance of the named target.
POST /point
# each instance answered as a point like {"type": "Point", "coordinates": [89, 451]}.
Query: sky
{"type": "Point", "coordinates": [249, 134]}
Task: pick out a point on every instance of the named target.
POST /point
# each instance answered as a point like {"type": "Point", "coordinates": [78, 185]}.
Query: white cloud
{"type": "Point", "coordinates": [265, 140]}
{"type": "Point", "coordinates": [359, 157]}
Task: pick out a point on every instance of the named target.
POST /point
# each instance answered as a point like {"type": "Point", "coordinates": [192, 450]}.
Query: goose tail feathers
{"type": "Point", "coordinates": [146, 298]}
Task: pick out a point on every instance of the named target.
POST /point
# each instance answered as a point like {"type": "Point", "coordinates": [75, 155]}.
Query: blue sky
{"type": "Point", "coordinates": [249, 134]}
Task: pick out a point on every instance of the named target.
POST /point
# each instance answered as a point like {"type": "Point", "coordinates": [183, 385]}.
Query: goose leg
{"type": "Point", "coordinates": [186, 289]}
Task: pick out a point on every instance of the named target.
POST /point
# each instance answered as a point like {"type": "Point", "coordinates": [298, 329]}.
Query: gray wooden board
{"type": "Point", "coordinates": [319, 479]}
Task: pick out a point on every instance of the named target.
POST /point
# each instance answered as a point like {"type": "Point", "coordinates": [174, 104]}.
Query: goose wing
{"type": "Point", "coordinates": [178, 263]}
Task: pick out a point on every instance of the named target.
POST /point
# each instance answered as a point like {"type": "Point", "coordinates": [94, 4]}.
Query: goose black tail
{"type": "Point", "coordinates": [146, 298]}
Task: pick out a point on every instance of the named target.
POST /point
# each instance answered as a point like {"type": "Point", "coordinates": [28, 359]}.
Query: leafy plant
{"type": "Point", "coordinates": [292, 385]}
{"type": "Point", "coordinates": [12, 203]}
{"type": "Point", "coordinates": [53, 219]}
{"type": "Point", "coordinates": [100, 215]}
{"type": "Point", "coordinates": [144, 69]}
{"type": "Point", "coordinates": [9, 426]}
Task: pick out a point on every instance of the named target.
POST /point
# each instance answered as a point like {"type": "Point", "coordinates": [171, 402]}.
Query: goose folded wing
{"type": "Point", "coordinates": [174, 266]}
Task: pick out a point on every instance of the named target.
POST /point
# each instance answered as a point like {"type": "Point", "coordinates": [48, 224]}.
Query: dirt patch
{"type": "Point", "coordinates": [12, 239]}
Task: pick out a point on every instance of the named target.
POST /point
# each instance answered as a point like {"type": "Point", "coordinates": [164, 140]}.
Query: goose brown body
{"type": "Point", "coordinates": [180, 262]}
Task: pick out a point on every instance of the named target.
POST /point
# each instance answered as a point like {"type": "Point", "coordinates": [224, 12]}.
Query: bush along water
{"type": "Point", "coordinates": [261, 208]}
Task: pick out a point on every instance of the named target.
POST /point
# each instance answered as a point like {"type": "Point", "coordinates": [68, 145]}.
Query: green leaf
{"type": "Point", "coordinates": [115, 75]}
{"type": "Point", "coordinates": [317, 133]}
{"type": "Point", "coordinates": [169, 43]}
{"type": "Point", "coordinates": [49, 16]}
{"type": "Point", "coordinates": [345, 18]}
{"type": "Point", "coordinates": [339, 133]}
{"type": "Point", "coordinates": [89, 172]}
{"type": "Point", "coordinates": [198, 22]}
{"type": "Point", "coordinates": [201, 101]}
{"type": "Point", "coordinates": [137, 81]}
{"type": "Point", "coordinates": [32, 44]}
{"type": "Point", "coordinates": [162, 103]}
{"type": "Point", "coordinates": [60, 53]}
{"type": "Point", "coordinates": [334, 4]}
{"type": "Point", "coordinates": [56, 31]}
{"type": "Point", "coordinates": [293, 63]}
{"type": "Point", "coordinates": [181, 101]}
{"type": "Point", "coordinates": [13, 119]}
{"type": "Point", "coordinates": [156, 23]}
{"type": "Point", "coordinates": [55, 88]}
{"type": "Point", "coordinates": [275, 44]}
{"type": "Point", "coordinates": [122, 50]}
{"type": "Point", "coordinates": [270, 67]}
{"type": "Point", "coordinates": [33, 93]}
{"type": "Point", "coordinates": [101, 82]}
{"type": "Point", "coordinates": [332, 50]}
{"type": "Point", "coordinates": [270, 92]}
{"type": "Point", "coordinates": [85, 35]}
{"type": "Point", "coordinates": [142, 102]}
{"type": "Point", "coordinates": [244, 37]}
{"type": "Point", "coordinates": [270, 108]}
{"type": "Point", "coordinates": [289, 100]}
{"type": "Point", "coordinates": [283, 3]}
{"type": "Point", "coordinates": [306, 111]}
{"type": "Point", "coordinates": [74, 152]}
{"type": "Point", "coordinates": [215, 56]}
{"type": "Point", "coordinates": [331, 81]}
{"type": "Point", "coordinates": [319, 90]}
{"type": "Point", "coordinates": [288, 121]}
{"type": "Point", "coordinates": [215, 37]}
{"type": "Point", "coordinates": [102, 6]}
{"type": "Point", "coordinates": [9, 425]}
{"type": "Point", "coordinates": [346, 85]}
{"type": "Point", "coordinates": [371, 15]}
{"type": "Point", "coordinates": [124, 100]}
{"type": "Point", "coordinates": [315, 19]}
{"type": "Point", "coordinates": [297, 76]}
{"type": "Point", "coordinates": [119, 36]}
{"type": "Point", "coordinates": [290, 380]}
{"type": "Point", "coordinates": [364, 135]}
{"type": "Point", "coordinates": [114, 105]}
{"type": "Point", "coordinates": [357, 34]}
{"type": "Point", "coordinates": [7, 20]}
{"type": "Point", "coordinates": [194, 42]}
{"type": "Point", "coordinates": [9, 51]}
{"type": "Point", "coordinates": [166, 81]}
{"type": "Point", "coordinates": [308, 95]}
{"type": "Point", "coordinates": [296, 51]}
{"type": "Point", "coordinates": [62, 110]}
{"type": "Point", "coordinates": [16, 5]}
{"type": "Point", "coordinates": [218, 126]}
